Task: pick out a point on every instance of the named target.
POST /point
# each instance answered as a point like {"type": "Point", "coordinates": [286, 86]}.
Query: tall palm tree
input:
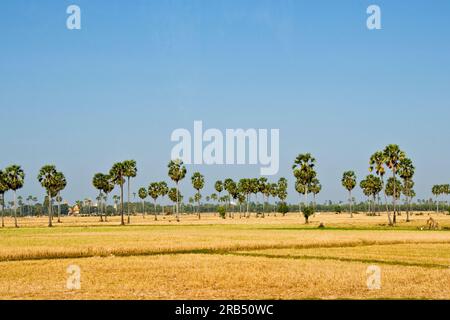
{"type": "Point", "coordinates": [130, 172]}
{"type": "Point", "coordinates": [15, 177]}
{"type": "Point", "coordinates": [436, 190]}
{"type": "Point", "coordinates": [154, 192]}
{"type": "Point", "coordinates": [60, 185]}
{"type": "Point", "coordinates": [163, 190]}
{"type": "Point", "coordinates": [108, 187]}
{"type": "Point", "coordinates": [198, 182]}
{"type": "Point", "coordinates": [282, 187]}
{"type": "Point", "coordinates": [349, 182]}
{"type": "Point", "coordinates": [177, 172]}
{"type": "Point", "coordinates": [47, 179]}
{"type": "Point", "coordinates": [245, 187]}
{"type": "Point", "coordinates": [303, 170]}
{"type": "Point", "coordinates": [142, 192]}
{"type": "Point", "coordinates": [218, 186]}
{"type": "Point", "coordinates": [99, 181]}
{"type": "Point", "coordinates": [406, 172]}
{"type": "Point", "coordinates": [393, 157]}
{"type": "Point", "coordinates": [376, 163]}
{"type": "Point", "coordinates": [3, 189]}
{"type": "Point", "coordinates": [117, 174]}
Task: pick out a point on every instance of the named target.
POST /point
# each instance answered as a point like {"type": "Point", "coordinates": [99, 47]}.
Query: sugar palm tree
{"type": "Point", "coordinates": [117, 174]}
{"type": "Point", "coordinates": [218, 186]}
{"type": "Point", "coordinates": [282, 187]}
{"type": "Point", "coordinates": [406, 172]}
{"type": "Point", "coordinates": [315, 187]}
{"type": "Point", "coordinates": [304, 172]}
{"type": "Point", "coordinates": [99, 181]}
{"type": "Point", "coordinates": [175, 196]}
{"type": "Point", "coordinates": [130, 172]}
{"type": "Point", "coordinates": [436, 190]}
{"type": "Point", "coordinates": [349, 182]}
{"type": "Point", "coordinates": [245, 187]}
{"type": "Point", "coordinates": [376, 163]}
{"type": "Point", "coordinates": [153, 192]}
{"type": "Point", "coordinates": [177, 172]}
{"type": "Point", "coordinates": [15, 177]}
{"type": "Point", "coordinates": [142, 192]}
{"type": "Point", "coordinates": [3, 189]}
{"type": "Point", "coordinates": [163, 190]}
{"type": "Point", "coordinates": [60, 185]}
{"type": "Point", "coordinates": [198, 182]}
{"type": "Point", "coordinates": [393, 157]}
{"type": "Point", "coordinates": [47, 178]}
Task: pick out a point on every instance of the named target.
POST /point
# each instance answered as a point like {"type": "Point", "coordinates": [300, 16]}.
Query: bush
{"type": "Point", "coordinates": [307, 212]}
{"type": "Point", "coordinates": [283, 208]}
{"type": "Point", "coordinates": [338, 209]}
{"type": "Point", "coordinates": [222, 212]}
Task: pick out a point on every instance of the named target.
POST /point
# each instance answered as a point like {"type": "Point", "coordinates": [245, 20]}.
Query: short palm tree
{"type": "Point", "coordinates": [153, 192]}
{"type": "Point", "coordinates": [177, 172]}
{"type": "Point", "coordinates": [406, 172]}
{"type": "Point", "coordinates": [99, 181]}
{"type": "Point", "coordinates": [349, 182]}
{"type": "Point", "coordinates": [315, 187]}
{"type": "Point", "coordinates": [142, 193]}
{"type": "Point", "coordinates": [303, 169]}
{"type": "Point", "coordinates": [60, 185]}
{"type": "Point", "coordinates": [15, 177]}
{"type": "Point", "coordinates": [198, 182]}
{"type": "Point", "coordinates": [163, 190]}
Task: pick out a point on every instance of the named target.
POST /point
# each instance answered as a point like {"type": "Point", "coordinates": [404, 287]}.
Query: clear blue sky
{"type": "Point", "coordinates": [137, 70]}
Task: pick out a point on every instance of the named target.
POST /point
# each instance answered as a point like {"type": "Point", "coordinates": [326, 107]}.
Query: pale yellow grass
{"type": "Point", "coordinates": [270, 258]}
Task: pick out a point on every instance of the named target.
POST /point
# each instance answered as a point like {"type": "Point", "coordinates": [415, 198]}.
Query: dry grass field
{"type": "Point", "coordinates": [256, 258]}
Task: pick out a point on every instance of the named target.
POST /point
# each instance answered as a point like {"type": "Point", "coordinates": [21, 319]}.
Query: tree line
{"type": "Point", "coordinates": [231, 196]}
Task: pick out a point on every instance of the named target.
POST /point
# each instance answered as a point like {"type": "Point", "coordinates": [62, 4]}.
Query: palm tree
{"type": "Point", "coordinates": [116, 200]}
{"type": "Point", "coordinates": [177, 172]}
{"type": "Point", "coordinates": [349, 183]}
{"type": "Point", "coordinates": [117, 174]}
{"type": "Point", "coordinates": [3, 189]}
{"type": "Point", "coordinates": [282, 187]}
{"type": "Point", "coordinates": [264, 189]}
{"type": "Point", "coordinates": [376, 162]}
{"type": "Point", "coordinates": [60, 185]}
{"type": "Point", "coordinates": [15, 177]}
{"type": "Point", "coordinates": [99, 181]}
{"type": "Point", "coordinates": [47, 178]}
{"type": "Point", "coordinates": [245, 187]}
{"type": "Point", "coordinates": [130, 172]}
{"type": "Point", "coordinates": [436, 190]}
{"type": "Point", "coordinates": [315, 187]}
{"type": "Point", "coordinates": [303, 170]}
{"type": "Point", "coordinates": [198, 182]}
{"type": "Point", "coordinates": [406, 172]}
{"type": "Point", "coordinates": [108, 187]}
{"type": "Point", "coordinates": [218, 186]}
{"type": "Point", "coordinates": [142, 192]}
{"type": "Point", "coordinates": [393, 157]}
{"type": "Point", "coordinates": [153, 192]}
{"type": "Point", "coordinates": [175, 197]}
{"type": "Point", "coordinates": [393, 189]}
{"type": "Point", "coordinates": [163, 190]}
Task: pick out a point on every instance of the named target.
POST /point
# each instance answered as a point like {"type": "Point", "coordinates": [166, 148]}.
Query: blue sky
{"type": "Point", "coordinates": [117, 88]}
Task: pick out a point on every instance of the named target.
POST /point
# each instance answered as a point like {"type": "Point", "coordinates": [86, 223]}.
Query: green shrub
{"type": "Point", "coordinates": [222, 212]}
{"type": "Point", "coordinates": [307, 212]}
{"type": "Point", "coordinates": [283, 208]}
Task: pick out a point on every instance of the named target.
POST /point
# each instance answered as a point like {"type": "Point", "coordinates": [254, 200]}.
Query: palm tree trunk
{"type": "Point", "coordinates": [49, 210]}
{"type": "Point", "coordinates": [156, 218]}
{"type": "Point", "coordinates": [128, 204]}
{"type": "Point", "coordinates": [3, 210]}
{"type": "Point", "coordinates": [59, 211]}
{"type": "Point", "coordinates": [350, 203]}
{"type": "Point", "coordinates": [15, 210]}
{"type": "Point", "coordinates": [177, 205]}
{"type": "Point", "coordinates": [122, 221]}
{"type": "Point", "coordinates": [143, 208]}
